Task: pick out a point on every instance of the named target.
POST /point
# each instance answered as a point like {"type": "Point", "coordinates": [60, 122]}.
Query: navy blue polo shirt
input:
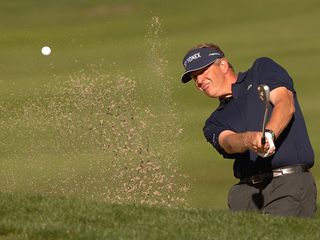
{"type": "Point", "coordinates": [244, 112]}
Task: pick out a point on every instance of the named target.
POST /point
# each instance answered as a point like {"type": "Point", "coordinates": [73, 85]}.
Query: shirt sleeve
{"type": "Point", "coordinates": [211, 131]}
{"type": "Point", "coordinates": [273, 75]}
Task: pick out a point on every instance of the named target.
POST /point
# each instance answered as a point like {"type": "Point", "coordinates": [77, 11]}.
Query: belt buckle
{"type": "Point", "coordinates": [255, 179]}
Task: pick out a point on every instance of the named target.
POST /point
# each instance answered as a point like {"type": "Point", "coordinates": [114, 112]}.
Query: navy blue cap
{"type": "Point", "coordinates": [197, 59]}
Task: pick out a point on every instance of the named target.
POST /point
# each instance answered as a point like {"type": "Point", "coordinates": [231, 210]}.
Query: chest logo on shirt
{"type": "Point", "coordinates": [248, 88]}
{"type": "Point", "coordinates": [214, 140]}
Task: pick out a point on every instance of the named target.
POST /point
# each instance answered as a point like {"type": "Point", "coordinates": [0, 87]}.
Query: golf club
{"type": "Point", "coordinates": [264, 94]}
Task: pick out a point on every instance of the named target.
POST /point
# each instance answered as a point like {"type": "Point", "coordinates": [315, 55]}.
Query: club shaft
{"type": "Point", "coordinates": [263, 139]}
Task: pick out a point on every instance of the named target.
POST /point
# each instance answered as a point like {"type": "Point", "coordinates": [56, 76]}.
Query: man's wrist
{"type": "Point", "coordinates": [272, 134]}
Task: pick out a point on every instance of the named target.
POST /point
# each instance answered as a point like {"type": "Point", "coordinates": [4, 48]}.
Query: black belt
{"type": "Point", "coordinates": [278, 172]}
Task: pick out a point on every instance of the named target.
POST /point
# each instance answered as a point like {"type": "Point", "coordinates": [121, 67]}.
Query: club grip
{"type": "Point", "coordinates": [263, 140]}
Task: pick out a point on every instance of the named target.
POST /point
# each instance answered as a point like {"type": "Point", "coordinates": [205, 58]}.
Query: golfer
{"type": "Point", "coordinates": [274, 177]}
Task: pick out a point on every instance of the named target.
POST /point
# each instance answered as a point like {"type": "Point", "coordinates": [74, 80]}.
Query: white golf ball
{"type": "Point", "coordinates": [46, 50]}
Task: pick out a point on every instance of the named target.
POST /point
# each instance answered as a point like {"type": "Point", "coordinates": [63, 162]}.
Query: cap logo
{"type": "Point", "coordinates": [191, 58]}
{"type": "Point", "coordinates": [214, 54]}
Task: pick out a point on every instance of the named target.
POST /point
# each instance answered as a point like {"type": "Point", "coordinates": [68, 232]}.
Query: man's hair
{"type": "Point", "coordinates": [215, 47]}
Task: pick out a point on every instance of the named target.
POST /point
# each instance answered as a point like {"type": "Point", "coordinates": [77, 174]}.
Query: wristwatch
{"type": "Point", "coordinates": [272, 134]}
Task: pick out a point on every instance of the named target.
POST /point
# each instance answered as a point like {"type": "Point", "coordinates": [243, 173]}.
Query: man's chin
{"type": "Point", "coordinates": [209, 93]}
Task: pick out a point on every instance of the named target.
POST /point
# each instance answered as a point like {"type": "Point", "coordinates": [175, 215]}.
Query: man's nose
{"type": "Point", "coordinates": [200, 78]}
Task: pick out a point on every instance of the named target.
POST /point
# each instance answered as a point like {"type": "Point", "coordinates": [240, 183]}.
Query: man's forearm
{"type": "Point", "coordinates": [233, 142]}
{"type": "Point", "coordinates": [282, 114]}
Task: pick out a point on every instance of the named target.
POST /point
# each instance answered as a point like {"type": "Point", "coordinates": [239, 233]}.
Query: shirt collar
{"type": "Point", "coordinates": [224, 102]}
{"type": "Point", "coordinates": [236, 90]}
{"type": "Point", "coordinates": [237, 87]}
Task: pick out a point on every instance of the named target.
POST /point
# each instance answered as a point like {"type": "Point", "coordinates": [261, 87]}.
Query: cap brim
{"type": "Point", "coordinates": [186, 76]}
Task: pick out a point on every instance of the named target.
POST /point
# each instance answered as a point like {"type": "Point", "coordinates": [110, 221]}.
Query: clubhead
{"type": "Point", "coordinates": [264, 93]}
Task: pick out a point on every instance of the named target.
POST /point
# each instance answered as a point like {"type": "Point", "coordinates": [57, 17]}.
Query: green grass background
{"type": "Point", "coordinates": [112, 35]}
{"type": "Point", "coordinates": [37, 217]}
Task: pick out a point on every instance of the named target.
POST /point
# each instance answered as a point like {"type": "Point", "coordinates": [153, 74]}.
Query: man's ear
{"type": "Point", "coordinates": [224, 65]}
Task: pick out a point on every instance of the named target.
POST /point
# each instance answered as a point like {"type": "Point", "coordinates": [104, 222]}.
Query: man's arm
{"type": "Point", "coordinates": [282, 100]}
{"type": "Point", "coordinates": [283, 110]}
{"type": "Point", "coordinates": [233, 142]}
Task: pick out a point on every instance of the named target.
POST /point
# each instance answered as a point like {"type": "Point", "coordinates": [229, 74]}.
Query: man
{"type": "Point", "coordinates": [274, 177]}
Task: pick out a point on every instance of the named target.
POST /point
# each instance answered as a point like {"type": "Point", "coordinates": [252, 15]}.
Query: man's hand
{"type": "Point", "coordinates": [252, 140]}
{"type": "Point", "coordinates": [272, 147]}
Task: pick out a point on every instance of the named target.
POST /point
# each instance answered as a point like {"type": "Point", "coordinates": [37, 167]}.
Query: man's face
{"type": "Point", "coordinates": [210, 80]}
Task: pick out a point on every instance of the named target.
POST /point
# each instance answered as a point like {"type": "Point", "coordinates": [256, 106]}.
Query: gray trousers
{"type": "Point", "coordinates": [290, 195]}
